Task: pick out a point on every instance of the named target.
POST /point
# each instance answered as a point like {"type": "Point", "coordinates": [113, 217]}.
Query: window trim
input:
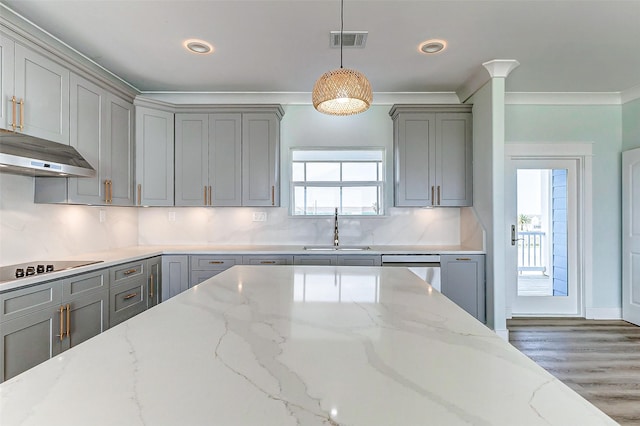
{"type": "Point", "coordinates": [379, 184]}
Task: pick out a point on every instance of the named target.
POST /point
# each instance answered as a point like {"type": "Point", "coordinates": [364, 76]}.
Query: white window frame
{"type": "Point", "coordinates": [379, 184]}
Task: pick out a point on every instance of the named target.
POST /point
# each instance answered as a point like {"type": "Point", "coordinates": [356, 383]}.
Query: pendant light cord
{"type": "Point", "coordinates": [341, 28]}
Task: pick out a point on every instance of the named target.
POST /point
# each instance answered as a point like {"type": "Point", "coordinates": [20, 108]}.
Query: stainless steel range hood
{"type": "Point", "coordinates": [27, 155]}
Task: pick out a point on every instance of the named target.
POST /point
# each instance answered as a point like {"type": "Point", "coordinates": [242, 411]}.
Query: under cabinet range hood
{"type": "Point", "coordinates": [31, 156]}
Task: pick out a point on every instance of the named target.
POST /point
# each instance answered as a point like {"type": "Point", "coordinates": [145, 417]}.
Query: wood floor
{"type": "Point", "coordinates": [600, 360]}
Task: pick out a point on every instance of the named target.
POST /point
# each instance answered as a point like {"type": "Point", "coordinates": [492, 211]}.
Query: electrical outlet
{"type": "Point", "coordinates": [259, 216]}
{"type": "Point", "coordinates": [172, 216]}
{"type": "Point", "coordinates": [103, 216]}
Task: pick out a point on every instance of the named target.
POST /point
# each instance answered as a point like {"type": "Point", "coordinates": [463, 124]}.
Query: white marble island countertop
{"type": "Point", "coordinates": [296, 345]}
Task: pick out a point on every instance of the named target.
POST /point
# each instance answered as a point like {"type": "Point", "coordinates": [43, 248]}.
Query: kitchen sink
{"type": "Point", "coordinates": [338, 248]}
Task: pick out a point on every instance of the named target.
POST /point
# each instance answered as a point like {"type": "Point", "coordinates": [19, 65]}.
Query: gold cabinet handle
{"type": "Point", "coordinates": [462, 258]}
{"type": "Point", "coordinates": [216, 262]}
{"type": "Point", "coordinates": [151, 287]}
{"type": "Point", "coordinates": [438, 194]}
{"type": "Point", "coordinates": [61, 335]}
{"type": "Point", "coordinates": [139, 194]}
{"type": "Point", "coordinates": [21, 114]}
{"type": "Point", "coordinates": [130, 296]}
{"type": "Point", "coordinates": [130, 271]}
{"type": "Point", "coordinates": [273, 195]}
{"type": "Point", "coordinates": [205, 195]}
{"type": "Point", "coordinates": [210, 199]}
{"type": "Point", "coordinates": [433, 194]}
{"type": "Point", "coordinates": [267, 262]}
{"type": "Point", "coordinates": [106, 191]}
{"type": "Point", "coordinates": [68, 320]}
{"type": "Point", "coordinates": [110, 191]}
{"type": "Point", "coordinates": [13, 118]}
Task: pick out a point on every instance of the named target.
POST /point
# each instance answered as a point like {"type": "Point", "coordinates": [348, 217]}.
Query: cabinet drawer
{"type": "Point", "coordinates": [24, 301]}
{"type": "Point", "coordinates": [84, 284]}
{"type": "Point", "coordinates": [127, 271]}
{"type": "Point", "coordinates": [267, 260]}
{"type": "Point", "coordinates": [127, 301]}
{"type": "Point", "coordinates": [359, 260]}
{"type": "Point", "coordinates": [208, 263]}
{"type": "Point", "coordinates": [197, 277]}
{"type": "Point", "coordinates": [329, 259]}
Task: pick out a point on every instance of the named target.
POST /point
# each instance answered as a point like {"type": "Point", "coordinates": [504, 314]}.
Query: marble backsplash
{"type": "Point", "coordinates": [30, 231]}
{"type": "Point", "coordinates": [236, 226]}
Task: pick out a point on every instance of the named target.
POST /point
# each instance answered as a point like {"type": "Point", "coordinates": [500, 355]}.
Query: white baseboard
{"type": "Point", "coordinates": [604, 313]}
{"type": "Point", "coordinates": [503, 333]}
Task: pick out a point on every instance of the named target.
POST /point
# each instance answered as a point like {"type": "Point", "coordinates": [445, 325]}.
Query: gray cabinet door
{"type": "Point", "coordinates": [87, 124]}
{"type": "Point", "coordinates": [453, 164]}
{"type": "Point", "coordinates": [6, 81]}
{"type": "Point", "coordinates": [119, 154]}
{"type": "Point", "coordinates": [154, 281]}
{"type": "Point", "coordinates": [43, 85]}
{"type": "Point", "coordinates": [28, 340]}
{"type": "Point", "coordinates": [154, 157]}
{"type": "Point", "coordinates": [175, 275]}
{"type": "Point", "coordinates": [86, 297]}
{"type": "Point", "coordinates": [225, 159]}
{"type": "Point", "coordinates": [414, 149]}
{"type": "Point", "coordinates": [260, 159]}
{"type": "Point", "coordinates": [463, 282]}
{"type": "Point", "coordinates": [191, 160]}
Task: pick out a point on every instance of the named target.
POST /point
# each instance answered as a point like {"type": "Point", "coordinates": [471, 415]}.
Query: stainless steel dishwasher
{"type": "Point", "coordinates": [425, 266]}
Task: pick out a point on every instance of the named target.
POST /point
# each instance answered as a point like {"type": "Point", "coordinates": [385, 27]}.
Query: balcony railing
{"type": "Point", "coordinates": [530, 251]}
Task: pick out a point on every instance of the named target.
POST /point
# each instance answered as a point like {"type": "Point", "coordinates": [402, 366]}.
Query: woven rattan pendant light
{"type": "Point", "coordinates": [342, 91]}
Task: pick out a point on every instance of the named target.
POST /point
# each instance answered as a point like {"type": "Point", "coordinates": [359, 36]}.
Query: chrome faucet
{"type": "Point", "coordinates": [336, 240]}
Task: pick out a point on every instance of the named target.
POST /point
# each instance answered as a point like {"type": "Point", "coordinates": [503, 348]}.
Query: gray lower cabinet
{"type": "Point", "coordinates": [277, 259]}
{"type": "Point", "coordinates": [342, 260]}
{"type": "Point", "coordinates": [154, 281]}
{"type": "Point", "coordinates": [175, 275]}
{"type": "Point", "coordinates": [316, 259]}
{"type": "Point", "coordinates": [204, 267]}
{"type": "Point", "coordinates": [128, 291]}
{"type": "Point", "coordinates": [463, 282]}
{"type": "Point", "coordinates": [41, 321]}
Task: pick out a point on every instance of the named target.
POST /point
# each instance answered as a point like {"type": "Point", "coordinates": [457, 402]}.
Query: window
{"type": "Point", "coordinates": [350, 179]}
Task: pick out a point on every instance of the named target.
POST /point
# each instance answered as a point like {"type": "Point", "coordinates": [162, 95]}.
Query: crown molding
{"type": "Point", "coordinates": [293, 98]}
{"type": "Point", "coordinates": [500, 68]}
{"type": "Point", "coordinates": [497, 68]}
{"type": "Point", "coordinates": [630, 94]}
{"type": "Point", "coordinates": [560, 98]}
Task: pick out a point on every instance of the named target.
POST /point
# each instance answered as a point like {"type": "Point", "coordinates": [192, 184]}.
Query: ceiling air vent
{"type": "Point", "coordinates": [350, 38]}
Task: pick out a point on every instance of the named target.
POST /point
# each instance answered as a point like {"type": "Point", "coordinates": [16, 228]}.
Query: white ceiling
{"type": "Point", "coordinates": [283, 46]}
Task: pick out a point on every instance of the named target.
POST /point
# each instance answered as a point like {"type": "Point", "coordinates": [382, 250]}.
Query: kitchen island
{"type": "Point", "coordinates": [287, 345]}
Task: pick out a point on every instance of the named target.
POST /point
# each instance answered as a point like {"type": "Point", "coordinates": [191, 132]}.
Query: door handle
{"type": "Point", "coordinates": [514, 236]}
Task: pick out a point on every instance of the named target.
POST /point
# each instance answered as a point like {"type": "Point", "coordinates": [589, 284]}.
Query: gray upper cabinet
{"type": "Point", "coordinates": [208, 159]}
{"type": "Point", "coordinates": [432, 153]}
{"type": "Point", "coordinates": [260, 159]}
{"type": "Point", "coordinates": [154, 157]}
{"type": "Point", "coordinates": [102, 131]}
{"type": "Point", "coordinates": [40, 87]}
{"type": "Point", "coordinates": [228, 156]}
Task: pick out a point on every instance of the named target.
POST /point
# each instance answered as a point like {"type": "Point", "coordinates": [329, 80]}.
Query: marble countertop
{"type": "Point", "coordinates": [108, 258]}
{"type": "Point", "coordinates": [296, 345]}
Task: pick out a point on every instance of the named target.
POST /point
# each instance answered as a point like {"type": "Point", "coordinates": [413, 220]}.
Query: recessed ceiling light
{"type": "Point", "coordinates": [200, 47]}
{"type": "Point", "coordinates": [432, 46]}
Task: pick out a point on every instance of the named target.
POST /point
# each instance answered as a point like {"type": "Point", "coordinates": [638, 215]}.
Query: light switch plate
{"type": "Point", "coordinates": [172, 216]}
{"type": "Point", "coordinates": [103, 216]}
{"type": "Point", "coordinates": [259, 216]}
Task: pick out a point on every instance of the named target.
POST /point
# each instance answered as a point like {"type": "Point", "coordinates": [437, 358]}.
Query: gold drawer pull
{"type": "Point", "coordinates": [433, 190]}
{"type": "Point", "coordinates": [13, 119]}
{"type": "Point", "coordinates": [439, 201]}
{"type": "Point", "coordinates": [21, 114]}
{"type": "Point", "coordinates": [61, 311]}
{"type": "Point", "coordinates": [462, 258]}
{"type": "Point", "coordinates": [216, 262]}
{"type": "Point", "coordinates": [273, 195]}
{"type": "Point", "coordinates": [130, 271]}
{"type": "Point", "coordinates": [139, 194]}
{"type": "Point", "coordinates": [130, 296]}
{"type": "Point", "coordinates": [267, 262]}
